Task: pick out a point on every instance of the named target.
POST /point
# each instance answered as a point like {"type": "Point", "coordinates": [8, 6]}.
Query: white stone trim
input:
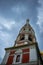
{"type": "Point", "coordinates": [14, 60]}
{"type": "Point", "coordinates": [5, 58]}
{"type": "Point", "coordinates": [26, 36]}
{"type": "Point", "coordinates": [33, 54]}
{"type": "Point", "coordinates": [18, 52]}
{"type": "Point", "coordinates": [25, 42]}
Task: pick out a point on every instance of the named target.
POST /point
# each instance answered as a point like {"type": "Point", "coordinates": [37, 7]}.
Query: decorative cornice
{"type": "Point", "coordinates": [16, 47]}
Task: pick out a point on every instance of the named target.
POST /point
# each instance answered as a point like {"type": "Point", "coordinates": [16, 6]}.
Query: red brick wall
{"type": "Point", "coordinates": [26, 50]}
{"type": "Point", "coordinates": [12, 52]}
{"type": "Point", "coordinates": [10, 59]}
{"type": "Point", "coordinates": [25, 57]}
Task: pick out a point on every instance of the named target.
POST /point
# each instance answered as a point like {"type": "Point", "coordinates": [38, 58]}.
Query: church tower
{"type": "Point", "coordinates": [25, 50]}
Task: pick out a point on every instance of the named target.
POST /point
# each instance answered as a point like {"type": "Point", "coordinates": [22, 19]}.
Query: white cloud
{"type": "Point", "coordinates": [4, 42]}
{"type": "Point", "coordinates": [18, 9]}
{"type": "Point", "coordinates": [3, 35]}
{"type": "Point", "coordinates": [1, 27]}
{"type": "Point", "coordinates": [40, 16]}
{"type": "Point", "coordinates": [6, 23]}
{"type": "Point", "coordinates": [40, 24]}
{"type": "Point", "coordinates": [6, 38]}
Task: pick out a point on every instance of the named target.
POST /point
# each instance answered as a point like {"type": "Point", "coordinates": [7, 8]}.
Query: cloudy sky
{"type": "Point", "coordinates": [13, 15]}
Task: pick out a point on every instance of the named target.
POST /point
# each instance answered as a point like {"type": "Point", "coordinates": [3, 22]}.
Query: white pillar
{"type": "Point", "coordinates": [5, 58]}
{"type": "Point", "coordinates": [26, 36]}
{"type": "Point", "coordinates": [33, 54]}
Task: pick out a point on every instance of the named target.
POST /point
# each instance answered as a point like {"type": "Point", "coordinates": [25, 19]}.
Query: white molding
{"type": "Point", "coordinates": [33, 54]}
{"type": "Point", "coordinates": [18, 52]}
{"type": "Point", "coordinates": [5, 58]}
{"type": "Point", "coordinates": [26, 36]}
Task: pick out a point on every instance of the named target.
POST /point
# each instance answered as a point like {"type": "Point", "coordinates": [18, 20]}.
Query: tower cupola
{"type": "Point", "coordinates": [26, 35]}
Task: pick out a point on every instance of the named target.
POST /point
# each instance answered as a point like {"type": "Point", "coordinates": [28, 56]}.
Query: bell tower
{"type": "Point", "coordinates": [25, 50]}
{"type": "Point", "coordinates": [26, 35]}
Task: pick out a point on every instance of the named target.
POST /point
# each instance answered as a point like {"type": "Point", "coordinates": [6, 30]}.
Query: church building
{"type": "Point", "coordinates": [25, 50]}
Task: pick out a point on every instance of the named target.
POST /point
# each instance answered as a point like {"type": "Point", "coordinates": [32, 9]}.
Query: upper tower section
{"type": "Point", "coordinates": [26, 35]}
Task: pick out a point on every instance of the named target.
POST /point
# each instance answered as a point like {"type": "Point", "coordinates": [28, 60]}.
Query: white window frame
{"type": "Point", "coordinates": [18, 52]}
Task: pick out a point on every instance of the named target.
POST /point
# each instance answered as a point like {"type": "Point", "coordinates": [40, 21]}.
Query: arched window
{"type": "Point", "coordinates": [18, 58]}
{"type": "Point", "coordinates": [22, 37]}
{"type": "Point", "coordinates": [30, 38]}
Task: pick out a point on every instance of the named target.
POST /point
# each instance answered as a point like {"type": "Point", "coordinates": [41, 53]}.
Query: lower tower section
{"type": "Point", "coordinates": [23, 55]}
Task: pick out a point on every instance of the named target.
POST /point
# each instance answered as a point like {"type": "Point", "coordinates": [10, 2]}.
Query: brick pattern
{"type": "Point", "coordinates": [10, 59]}
{"type": "Point", "coordinates": [12, 52]}
{"type": "Point", "coordinates": [26, 50]}
{"type": "Point", "coordinates": [25, 57]}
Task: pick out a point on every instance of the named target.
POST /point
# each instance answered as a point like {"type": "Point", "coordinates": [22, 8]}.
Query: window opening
{"type": "Point", "coordinates": [30, 38]}
{"type": "Point", "coordinates": [22, 37]}
{"type": "Point", "coordinates": [18, 58]}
